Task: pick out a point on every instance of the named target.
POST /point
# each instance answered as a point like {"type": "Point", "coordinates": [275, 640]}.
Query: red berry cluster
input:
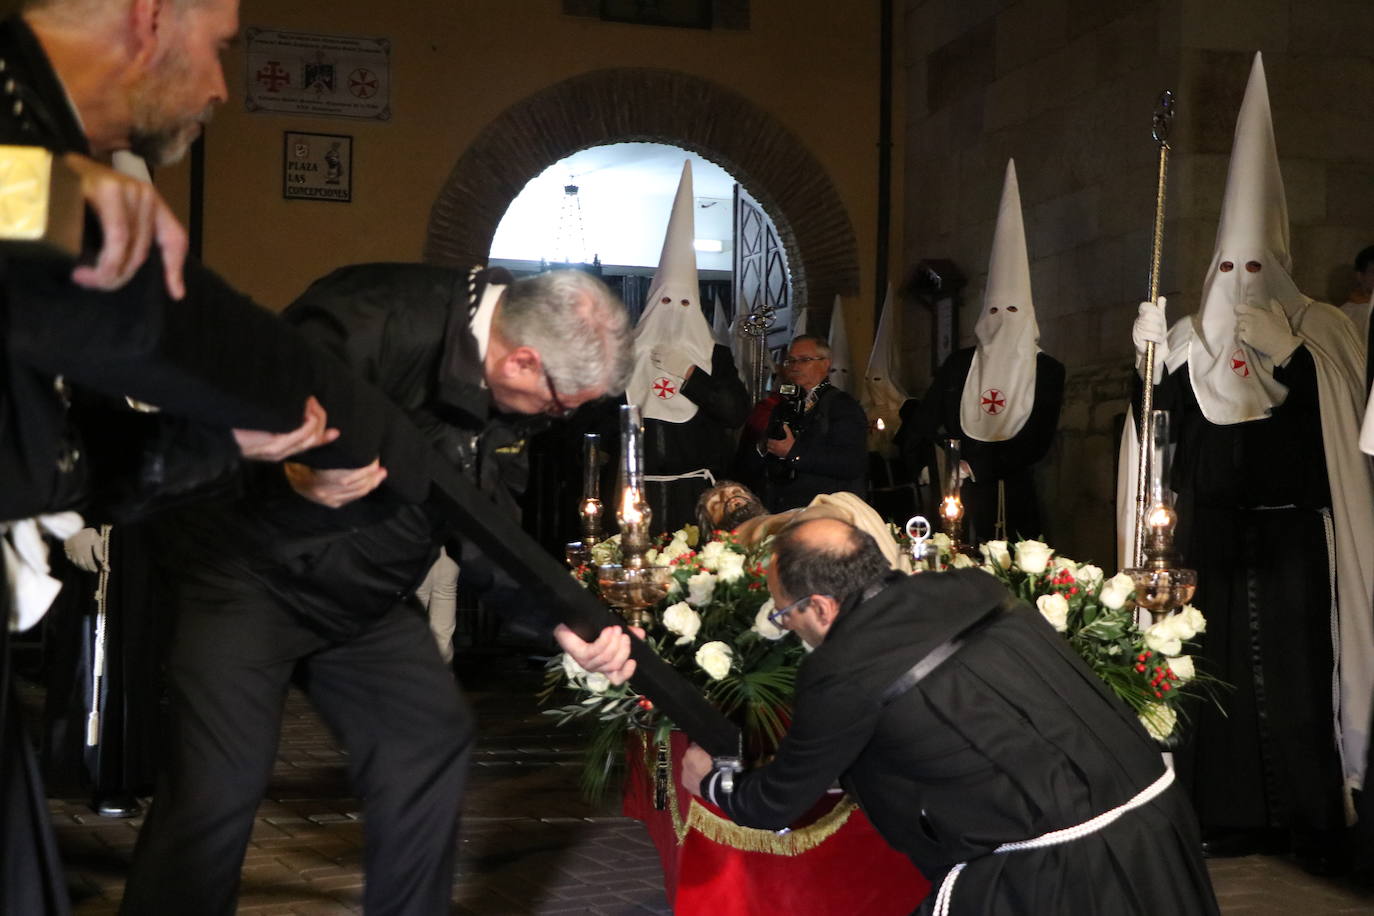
{"type": "Point", "coordinates": [1062, 578]}
{"type": "Point", "coordinates": [1161, 677]}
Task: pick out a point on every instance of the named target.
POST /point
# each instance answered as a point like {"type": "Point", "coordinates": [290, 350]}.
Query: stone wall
{"type": "Point", "coordinates": [1067, 88]}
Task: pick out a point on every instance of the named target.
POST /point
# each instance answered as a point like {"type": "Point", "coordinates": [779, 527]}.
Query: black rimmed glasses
{"type": "Point", "coordinates": [556, 407]}
{"type": "Point", "coordinates": [794, 360]}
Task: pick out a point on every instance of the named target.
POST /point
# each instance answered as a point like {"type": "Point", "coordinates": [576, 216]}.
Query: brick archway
{"type": "Point", "coordinates": [657, 106]}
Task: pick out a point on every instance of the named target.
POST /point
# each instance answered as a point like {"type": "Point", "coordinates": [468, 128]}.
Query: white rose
{"type": "Point", "coordinates": [1088, 576]}
{"type": "Point", "coordinates": [598, 682]}
{"type": "Point", "coordinates": [1062, 564]}
{"type": "Point", "coordinates": [700, 588]}
{"type": "Point", "coordinates": [1159, 720]}
{"type": "Point", "coordinates": [731, 566]}
{"type": "Point", "coordinates": [1033, 556]}
{"type": "Point", "coordinates": [1055, 609]}
{"type": "Point", "coordinates": [1180, 626]}
{"type": "Point", "coordinates": [962, 561]}
{"type": "Point", "coordinates": [682, 620]}
{"type": "Point", "coordinates": [1196, 621]}
{"type": "Point", "coordinates": [572, 670]}
{"type": "Point", "coordinates": [1116, 590]}
{"type": "Point", "coordinates": [941, 541]}
{"type": "Point", "coordinates": [714, 658]}
{"type": "Point", "coordinates": [765, 627]}
{"type": "Point", "coordinates": [710, 554]}
{"type": "Point", "coordinates": [1161, 638]}
{"type": "Point", "coordinates": [996, 554]}
{"type": "Point", "coordinates": [675, 548]}
{"type": "Point", "coordinates": [1183, 669]}
{"type": "Point", "coordinates": [607, 551]}
{"type": "Point", "coordinates": [651, 558]}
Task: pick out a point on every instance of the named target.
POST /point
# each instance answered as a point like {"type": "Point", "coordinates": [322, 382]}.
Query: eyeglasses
{"type": "Point", "coordinates": [777, 616]}
{"type": "Point", "coordinates": [793, 360]}
{"type": "Point", "coordinates": [556, 408]}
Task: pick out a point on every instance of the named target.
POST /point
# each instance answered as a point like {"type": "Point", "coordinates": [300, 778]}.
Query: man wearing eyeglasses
{"type": "Point", "coordinates": [310, 576]}
{"type": "Point", "coordinates": [816, 438]}
{"type": "Point", "coordinates": [964, 724]}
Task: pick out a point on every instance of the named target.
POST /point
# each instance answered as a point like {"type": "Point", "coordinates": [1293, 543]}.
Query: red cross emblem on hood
{"type": "Point", "coordinates": [1239, 365]}
{"type": "Point", "coordinates": [663, 387]}
{"type": "Point", "coordinates": [993, 401]}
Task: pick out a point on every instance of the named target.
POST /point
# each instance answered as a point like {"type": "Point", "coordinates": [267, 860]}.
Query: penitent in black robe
{"type": "Point", "coordinates": [1254, 504]}
{"type": "Point", "coordinates": [705, 441]}
{"type": "Point", "coordinates": [1009, 738]}
{"type": "Point", "coordinates": [1010, 463]}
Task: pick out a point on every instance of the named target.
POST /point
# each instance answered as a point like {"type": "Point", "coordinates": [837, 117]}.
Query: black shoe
{"type": "Point", "coordinates": [1227, 844]}
{"type": "Point", "coordinates": [116, 804]}
{"type": "Point", "coordinates": [1322, 852]}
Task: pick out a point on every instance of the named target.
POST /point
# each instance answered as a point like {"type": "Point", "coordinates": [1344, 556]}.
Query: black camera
{"type": "Point", "coordinates": [791, 411]}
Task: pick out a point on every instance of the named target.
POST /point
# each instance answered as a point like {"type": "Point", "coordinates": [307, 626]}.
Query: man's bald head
{"type": "Point", "coordinates": [826, 556]}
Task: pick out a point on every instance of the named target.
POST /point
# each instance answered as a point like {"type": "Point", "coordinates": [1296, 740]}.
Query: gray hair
{"type": "Point", "coordinates": [579, 328]}
{"type": "Point", "coordinates": [822, 345]}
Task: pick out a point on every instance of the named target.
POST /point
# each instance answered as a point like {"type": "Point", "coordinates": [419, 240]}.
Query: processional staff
{"type": "Point", "coordinates": [1163, 118]}
{"type": "Point", "coordinates": [1162, 585]}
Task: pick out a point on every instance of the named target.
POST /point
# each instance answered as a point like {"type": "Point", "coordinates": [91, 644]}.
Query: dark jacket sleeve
{"type": "Point", "coordinates": [215, 357]}
{"type": "Point", "coordinates": [829, 729]}
{"type": "Point", "coordinates": [918, 448]}
{"type": "Point", "coordinates": [720, 395]}
{"type": "Point", "coordinates": [841, 448]}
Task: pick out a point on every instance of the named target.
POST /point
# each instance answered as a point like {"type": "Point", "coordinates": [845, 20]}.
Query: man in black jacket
{"type": "Point", "coordinates": [277, 588]}
{"type": "Point", "coordinates": [84, 79]}
{"type": "Point", "coordinates": [816, 439]}
{"type": "Point", "coordinates": [962, 722]}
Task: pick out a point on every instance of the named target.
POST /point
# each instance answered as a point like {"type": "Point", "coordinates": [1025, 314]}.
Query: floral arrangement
{"type": "Point", "coordinates": [1146, 667]}
{"type": "Point", "coordinates": [713, 627]}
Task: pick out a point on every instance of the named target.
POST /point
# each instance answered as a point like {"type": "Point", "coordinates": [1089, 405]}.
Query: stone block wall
{"type": "Point", "coordinates": [1067, 88]}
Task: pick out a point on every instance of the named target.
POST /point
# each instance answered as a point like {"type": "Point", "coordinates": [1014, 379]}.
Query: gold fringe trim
{"type": "Point", "coordinates": [727, 833]}
{"type": "Point", "coordinates": [794, 843]}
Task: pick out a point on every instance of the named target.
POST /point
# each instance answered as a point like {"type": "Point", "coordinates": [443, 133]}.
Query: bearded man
{"type": "Point", "coordinates": [89, 79]}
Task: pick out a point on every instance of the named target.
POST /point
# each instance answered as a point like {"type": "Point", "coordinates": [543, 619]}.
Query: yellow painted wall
{"type": "Point", "coordinates": [456, 65]}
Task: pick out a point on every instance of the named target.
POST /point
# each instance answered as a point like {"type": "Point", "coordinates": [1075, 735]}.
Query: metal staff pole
{"type": "Point", "coordinates": [1163, 117]}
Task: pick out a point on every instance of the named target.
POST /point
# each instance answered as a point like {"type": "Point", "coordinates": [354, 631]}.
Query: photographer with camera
{"type": "Point", "coordinates": [816, 437]}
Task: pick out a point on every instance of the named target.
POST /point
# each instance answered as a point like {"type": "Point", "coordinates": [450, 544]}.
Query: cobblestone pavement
{"type": "Point", "coordinates": [530, 844]}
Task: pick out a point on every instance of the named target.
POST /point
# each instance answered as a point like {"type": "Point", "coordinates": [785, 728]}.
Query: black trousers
{"type": "Point", "coordinates": [31, 880]}
{"type": "Point", "coordinates": [386, 695]}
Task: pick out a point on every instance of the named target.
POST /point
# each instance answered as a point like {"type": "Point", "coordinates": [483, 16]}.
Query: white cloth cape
{"type": "Point", "coordinates": [1330, 339]}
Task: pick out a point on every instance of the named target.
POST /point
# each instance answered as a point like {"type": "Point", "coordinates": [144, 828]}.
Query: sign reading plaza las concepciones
{"type": "Point", "coordinates": [307, 73]}
{"type": "Point", "coordinates": [317, 167]}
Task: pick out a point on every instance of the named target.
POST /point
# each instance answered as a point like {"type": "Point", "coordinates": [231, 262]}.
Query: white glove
{"type": "Point", "coordinates": [1266, 331]}
{"type": "Point", "coordinates": [674, 362]}
{"type": "Point", "coordinates": [1151, 327]}
{"type": "Point", "coordinates": [85, 549]}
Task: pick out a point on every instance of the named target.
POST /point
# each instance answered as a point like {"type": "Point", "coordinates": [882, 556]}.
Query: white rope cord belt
{"type": "Point", "coordinates": [699, 474]}
{"type": "Point", "coordinates": [1068, 834]}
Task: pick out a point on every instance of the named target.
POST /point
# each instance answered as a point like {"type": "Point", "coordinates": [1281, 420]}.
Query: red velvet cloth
{"type": "Point", "coordinates": [854, 871]}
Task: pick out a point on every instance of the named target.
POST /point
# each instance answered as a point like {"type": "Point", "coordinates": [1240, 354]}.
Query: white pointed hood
{"type": "Point", "coordinates": [839, 348]}
{"type": "Point", "coordinates": [883, 397]}
{"type": "Point", "coordinates": [999, 391]}
{"type": "Point", "coordinates": [1232, 382]}
{"type": "Point", "coordinates": [799, 326]}
{"type": "Point", "coordinates": [672, 318]}
{"type": "Point", "coordinates": [720, 327]}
